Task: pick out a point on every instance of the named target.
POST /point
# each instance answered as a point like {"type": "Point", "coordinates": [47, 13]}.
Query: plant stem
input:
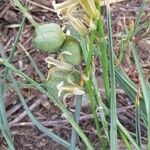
{"type": "Point", "coordinates": [25, 12]}
{"type": "Point", "coordinates": [126, 142]}
{"type": "Point", "coordinates": [93, 109]}
{"type": "Point", "coordinates": [102, 107]}
{"type": "Point", "coordinates": [90, 54]}
{"type": "Point", "coordinates": [113, 111]}
{"type": "Point", "coordinates": [33, 64]}
{"type": "Point", "coordinates": [137, 118]}
{"type": "Point", "coordinates": [77, 117]}
{"type": "Point", "coordinates": [88, 85]}
{"type": "Point", "coordinates": [103, 52]}
{"type": "Point", "coordinates": [4, 123]}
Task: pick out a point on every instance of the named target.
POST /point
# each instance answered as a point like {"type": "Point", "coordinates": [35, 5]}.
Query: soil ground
{"type": "Point", "coordinates": [26, 136]}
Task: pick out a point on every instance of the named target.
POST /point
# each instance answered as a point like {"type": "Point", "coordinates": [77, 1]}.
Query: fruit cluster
{"type": "Point", "coordinates": [63, 78]}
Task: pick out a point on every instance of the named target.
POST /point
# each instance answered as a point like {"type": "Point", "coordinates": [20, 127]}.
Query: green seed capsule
{"type": "Point", "coordinates": [70, 77]}
{"type": "Point", "coordinates": [62, 83]}
{"type": "Point", "coordinates": [63, 89]}
{"type": "Point", "coordinates": [49, 37]}
{"type": "Point", "coordinates": [57, 73]}
{"type": "Point", "coordinates": [58, 87]}
{"type": "Point", "coordinates": [51, 86]}
{"type": "Point", "coordinates": [71, 52]}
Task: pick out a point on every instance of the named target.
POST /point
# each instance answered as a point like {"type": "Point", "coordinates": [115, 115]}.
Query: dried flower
{"type": "Point", "coordinates": [59, 64]}
{"type": "Point", "coordinates": [71, 90]}
{"type": "Point", "coordinates": [81, 14]}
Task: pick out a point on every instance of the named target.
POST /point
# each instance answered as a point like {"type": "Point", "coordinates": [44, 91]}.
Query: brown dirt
{"type": "Point", "coordinates": [28, 137]}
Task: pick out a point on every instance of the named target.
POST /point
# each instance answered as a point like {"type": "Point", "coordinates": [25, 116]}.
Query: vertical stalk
{"type": "Point", "coordinates": [138, 128]}
{"type": "Point", "coordinates": [89, 88]}
{"type": "Point", "coordinates": [103, 52]}
{"type": "Point", "coordinates": [4, 123]}
{"type": "Point", "coordinates": [90, 54]}
{"type": "Point", "coordinates": [137, 118]}
{"type": "Point", "coordinates": [76, 117]}
{"type": "Point", "coordinates": [102, 107]}
{"type": "Point", "coordinates": [93, 109]}
{"type": "Point", "coordinates": [113, 111]}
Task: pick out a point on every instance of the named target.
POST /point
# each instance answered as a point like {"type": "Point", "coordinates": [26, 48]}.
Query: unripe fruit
{"type": "Point", "coordinates": [71, 51]}
{"type": "Point", "coordinates": [57, 73]}
{"type": "Point", "coordinates": [68, 80]}
{"type": "Point", "coordinates": [49, 37]}
{"type": "Point", "coordinates": [51, 86]}
{"type": "Point", "coordinates": [70, 77]}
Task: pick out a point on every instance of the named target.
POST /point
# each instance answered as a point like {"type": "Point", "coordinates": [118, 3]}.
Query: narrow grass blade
{"type": "Point", "coordinates": [138, 128]}
{"type": "Point", "coordinates": [33, 64]}
{"type": "Point", "coordinates": [89, 85]}
{"type": "Point", "coordinates": [4, 123]}
{"type": "Point", "coordinates": [101, 107]}
{"type": "Point", "coordinates": [25, 12]}
{"type": "Point", "coordinates": [128, 136]}
{"type": "Point", "coordinates": [129, 87]}
{"type": "Point", "coordinates": [89, 88]}
{"type": "Point", "coordinates": [77, 117]}
{"type": "Point", "coordinates": [88, 82]}
{"type": "Point", "coordinates": [145, 88]}
{"type": "Point", "coordinates": [113, 110]}
{"type": "Point", "coordinates": [12, 52]}
{"type": "Point", "coordinates": [122, 51]}
{"type": "Point", "coordinates": [137, 119]}
{"type": "Point", "coordinates": [126, 142]}
{"type": "Point", "coordinates": [84, 47]}
{"type": "Point", "coordinates": [90, 54]}
{"type": "Point", "coordinates": [138, 18]}
{"type": "Point", "coordinates": [103, 52]}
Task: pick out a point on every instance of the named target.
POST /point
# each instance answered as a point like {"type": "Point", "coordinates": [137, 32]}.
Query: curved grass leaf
{"type": "Point", "coordinates": [4, 122]}
{"type": "Point", "coordinates": [145, 88]}
{"type": "Point", "coordinates": [113, 105]}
